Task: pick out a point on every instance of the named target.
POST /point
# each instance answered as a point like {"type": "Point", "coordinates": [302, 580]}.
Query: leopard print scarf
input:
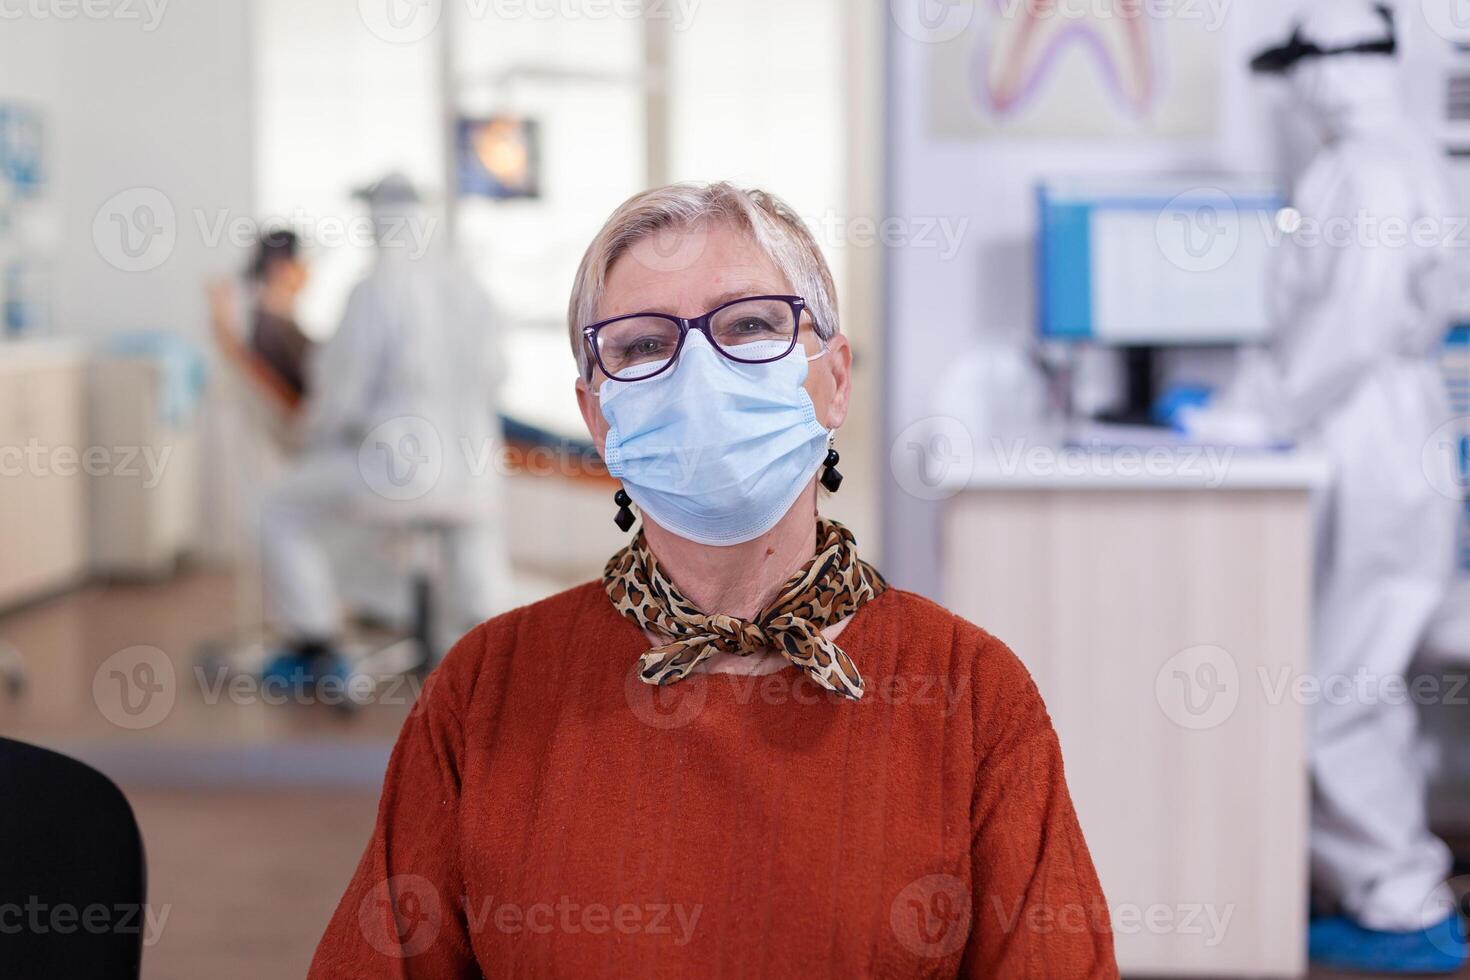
{"type": "Point", "coordinates": [826, 590]}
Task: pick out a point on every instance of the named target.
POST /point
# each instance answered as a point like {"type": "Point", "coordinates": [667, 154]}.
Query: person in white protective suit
{"type": "Point", "coordinates": [400, 425]}
{"type": "Point", "coordinates": [1359, 298]}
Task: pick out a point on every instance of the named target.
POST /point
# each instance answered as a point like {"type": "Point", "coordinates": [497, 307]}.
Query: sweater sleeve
{"type": "Point", "coordinates": [1038, 908]}
{"type": "Point", "coordinates": [402, 914]}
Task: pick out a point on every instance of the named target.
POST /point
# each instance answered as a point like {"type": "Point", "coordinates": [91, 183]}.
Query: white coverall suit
{"type": "Point", "coordinates": [1358, 296]}
{"type": "Point", "coordinates": [401, 421]}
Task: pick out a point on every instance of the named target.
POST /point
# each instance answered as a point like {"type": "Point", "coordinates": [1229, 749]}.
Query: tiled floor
{"type": "Point", "coordinates": [247, 881]}
{"type": "Point", "coordinates": [65, 642]}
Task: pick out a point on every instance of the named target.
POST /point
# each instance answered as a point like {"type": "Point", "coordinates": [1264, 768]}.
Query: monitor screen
{"type": "Point", "coordinates": [1172, 261]}
{"type": "Point", "coordinates": [499, 157]}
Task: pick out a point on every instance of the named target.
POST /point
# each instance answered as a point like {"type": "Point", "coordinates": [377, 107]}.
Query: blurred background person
{"type": "Point", "coordinates": [1352, 370]}
{"type": "Point", "coordinates": [279, 274]}
{"type": "Point", "coordinates": [403, 392]}
{"type": "Point", "coordinates": [272, 348]}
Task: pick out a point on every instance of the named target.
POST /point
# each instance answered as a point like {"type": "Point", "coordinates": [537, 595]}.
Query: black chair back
{"type": "Point", "coordinates": [72, 880]}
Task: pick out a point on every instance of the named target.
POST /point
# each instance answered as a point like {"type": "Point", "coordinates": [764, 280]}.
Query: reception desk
{"type": "Point", "coordinates": [1162, 606]}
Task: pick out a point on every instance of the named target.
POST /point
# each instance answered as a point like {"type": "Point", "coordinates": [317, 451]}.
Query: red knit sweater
{"type": "Point", "coordinates": [545, 813]}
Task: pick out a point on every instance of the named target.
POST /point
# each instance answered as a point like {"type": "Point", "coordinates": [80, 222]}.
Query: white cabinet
{"type": "Point", "coordinates": [43, 492]}
{"type": "Point", "coordinates": [145, 505]}
{"type": "Point", "coordinates": [1159, 618]}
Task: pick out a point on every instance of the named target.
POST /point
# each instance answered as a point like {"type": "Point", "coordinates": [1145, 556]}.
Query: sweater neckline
{"type": "Point", "coordinates": [853, 639]}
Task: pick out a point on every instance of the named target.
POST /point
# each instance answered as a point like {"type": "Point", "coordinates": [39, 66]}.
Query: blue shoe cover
{"type": "Point", "coordinates": [292, 672]}
{"type": "Point", "coordinates": [1342, 944]}
{"type": "Point", "coordinates": [287, 669]}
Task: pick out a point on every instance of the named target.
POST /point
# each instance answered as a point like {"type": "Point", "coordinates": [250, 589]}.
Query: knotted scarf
{"type": "Point", "coordinates": [830, 587]}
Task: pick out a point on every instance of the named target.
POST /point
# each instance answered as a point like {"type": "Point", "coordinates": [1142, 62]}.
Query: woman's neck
{"type": "Point", "coordinates": [739, 580]}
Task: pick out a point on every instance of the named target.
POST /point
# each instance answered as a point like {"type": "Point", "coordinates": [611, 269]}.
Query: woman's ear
{"type": "Point", "coordinates": [834, 380]}
{"type": "Point", "coordinates": [591, 407]}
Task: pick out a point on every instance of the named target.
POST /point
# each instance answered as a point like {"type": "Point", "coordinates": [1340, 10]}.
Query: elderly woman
{"type": "Point", "coordinates": [742, 750]}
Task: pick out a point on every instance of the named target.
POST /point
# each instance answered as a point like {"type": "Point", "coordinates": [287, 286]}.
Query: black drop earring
{"type": "Point", "coordinates": [831, 479]}
{"type": "Point", "coordinates": [624, 518]}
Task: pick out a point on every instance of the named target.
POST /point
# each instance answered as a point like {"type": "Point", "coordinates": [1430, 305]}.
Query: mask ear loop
{"type": "Point", "coordinates": [820, 339]}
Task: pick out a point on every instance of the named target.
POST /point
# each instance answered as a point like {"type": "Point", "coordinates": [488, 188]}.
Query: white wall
{"type": "Point", "coordinates": [756, 98]}
{"type": "Point", "coordinates": [336, 106]}
{"type": "Point", "coordinates": [134, 103]}
{"type": "Point", "coordinates": [165, 109]}
{"type": "Point", "coordinates": [581, 80]}
{"type": "Point", "coordinates": [29, 67]}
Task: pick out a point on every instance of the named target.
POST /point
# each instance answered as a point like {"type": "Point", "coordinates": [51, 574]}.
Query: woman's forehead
{"type": "Point", "coordinates": [687, 271]}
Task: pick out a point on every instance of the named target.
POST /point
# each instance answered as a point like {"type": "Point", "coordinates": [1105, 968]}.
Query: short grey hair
{"type": "Point", "coordinates": [778, 231]}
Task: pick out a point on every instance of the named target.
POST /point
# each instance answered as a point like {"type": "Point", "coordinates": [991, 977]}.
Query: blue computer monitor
{"type": "Point", "coordinates": [1160, 261]}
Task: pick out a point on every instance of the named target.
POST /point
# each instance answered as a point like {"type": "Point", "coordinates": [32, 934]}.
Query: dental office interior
{"type": "Point", "coordinates": [1063, 236]}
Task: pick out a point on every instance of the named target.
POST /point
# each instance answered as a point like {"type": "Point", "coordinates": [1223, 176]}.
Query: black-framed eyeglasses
{"type": "Point", "coordinates": [749, 330]}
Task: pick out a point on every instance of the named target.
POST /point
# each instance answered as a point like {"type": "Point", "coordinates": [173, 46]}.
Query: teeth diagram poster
{"type": "Point", "coordinates": [1089, 69]}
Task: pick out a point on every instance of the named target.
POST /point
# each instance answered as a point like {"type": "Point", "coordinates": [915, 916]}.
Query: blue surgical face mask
{"type": "Point", "coordinates": [714, 450]}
